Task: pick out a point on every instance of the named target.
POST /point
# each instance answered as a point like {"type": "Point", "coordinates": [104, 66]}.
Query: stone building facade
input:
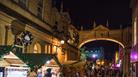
{"type": "Point", "coordinates": [39, 18]}
{"type": "Point", "coordinates": [134, 6]}
{"type": "Point", "coordinates": [134, 51]}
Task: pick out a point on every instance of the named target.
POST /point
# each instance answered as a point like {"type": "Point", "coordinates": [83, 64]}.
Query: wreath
{"type": "Point", "coordinates": [26, 38]}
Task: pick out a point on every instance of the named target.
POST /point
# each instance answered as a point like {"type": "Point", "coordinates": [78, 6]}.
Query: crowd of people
{"type": "Point", "coordinates": [43, 73]}
{"type": "Point", "coordinates": [88, 71]}
{"type": "Point", "coordinates": [102, 72]}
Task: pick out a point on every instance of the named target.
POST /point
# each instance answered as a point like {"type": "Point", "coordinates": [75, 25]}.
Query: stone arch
{"type": "Point", "coordinates": [94, 39]}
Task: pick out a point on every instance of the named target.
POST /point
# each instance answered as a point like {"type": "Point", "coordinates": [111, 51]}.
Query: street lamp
{"type": "Point", "coordinates": [62, 42]}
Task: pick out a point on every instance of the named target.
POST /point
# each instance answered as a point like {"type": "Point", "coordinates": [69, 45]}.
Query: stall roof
{"type": "Point", "coordinates": [13, 60]}
{"type": "Point", "coordinates": [33, 59]}
{"type": "Point", "coordinates": [30, 59]}
{"type": "Point", "coordinates": [11, 56]}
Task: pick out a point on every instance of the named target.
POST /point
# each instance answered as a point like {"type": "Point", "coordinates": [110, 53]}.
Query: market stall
{"type": "Point", "coordinates": [53, 66]}
{"type": "Point", "coordinates": [43, 62]}
{"type": "Point", "coordinates": [12, 66]}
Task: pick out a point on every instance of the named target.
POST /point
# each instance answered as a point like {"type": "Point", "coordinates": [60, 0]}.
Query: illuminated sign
{"type": "Point", "coordinates": [116, 57]}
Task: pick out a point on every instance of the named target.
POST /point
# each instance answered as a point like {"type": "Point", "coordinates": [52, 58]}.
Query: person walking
{"type": "Point", "coordinates": [48, 73]}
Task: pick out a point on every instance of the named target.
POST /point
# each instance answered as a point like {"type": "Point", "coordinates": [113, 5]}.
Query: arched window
{"type": "Point", "coordinates": [54, 49]}
{"type": "Point", "coordinates": [49, 49]}
{"type": "Point", "coordinates": [37, 48]}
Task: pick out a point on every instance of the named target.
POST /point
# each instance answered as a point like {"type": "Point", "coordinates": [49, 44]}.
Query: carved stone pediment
{"type": "Point", "coordinates": [100, 28]}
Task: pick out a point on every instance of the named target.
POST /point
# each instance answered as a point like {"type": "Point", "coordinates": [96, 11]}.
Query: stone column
{"type": "Point", "coordinates": [126, 62]}
{"type": "Point", "coordinates": [42, 46]}
{"type": "Point", "coordinates": [6, 34]}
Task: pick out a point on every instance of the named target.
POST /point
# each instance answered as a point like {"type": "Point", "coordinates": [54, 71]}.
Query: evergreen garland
{"type": "Point", "coordinates": [6, 49]}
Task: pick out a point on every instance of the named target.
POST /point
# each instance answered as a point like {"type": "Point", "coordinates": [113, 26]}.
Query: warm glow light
{"type": "Point", "coordinates": [37, 48]}
{"type": "Point", "coordinates": [135, 31]}
{"type": "Point", "coordinates": [62, 41]}
{"type": "Point", "coordinates": [116, 57]}
{"type": "Point", "coordinates": [54, 49]}
{"type": "Point", "coordinates": [48, 62]}
{"type": "Point", "coordinates": [98, 63]}
{"type": "Point", "coordinates": [102, 63]}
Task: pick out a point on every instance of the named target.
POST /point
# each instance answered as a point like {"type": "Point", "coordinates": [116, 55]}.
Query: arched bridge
{"type": "Point", "coordinates": [120, 36]}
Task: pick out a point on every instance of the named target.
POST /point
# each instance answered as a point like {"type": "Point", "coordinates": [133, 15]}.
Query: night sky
{"type": "Point", "coordinates": [84, 12]}
{"type": "Point", "coordinates": [108, 47]}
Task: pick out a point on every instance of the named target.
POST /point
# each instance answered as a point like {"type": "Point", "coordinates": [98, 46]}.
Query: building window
{"type": "Point", "coordinates": [40, 9]}
{"type": "Point", "coordinates": [22, 3]}
{"type": "Point", "coordinates": [135, 31]}
{"type": "Point", "coordinates": [49, 49]}
{"type": "Point", "coordinates": [37, 48]}
{"type": "Point", "coordinates": [54, 49]}
{"type": "Point", "coordinates": [46, 48]}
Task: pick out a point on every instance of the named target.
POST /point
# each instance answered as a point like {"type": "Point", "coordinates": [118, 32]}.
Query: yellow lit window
{"type": "Point", "coordinates": [37, 48]}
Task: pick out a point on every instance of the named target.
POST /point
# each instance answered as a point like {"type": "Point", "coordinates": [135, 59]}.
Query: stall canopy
{"type": "Point", "coordinates": [33, 59]}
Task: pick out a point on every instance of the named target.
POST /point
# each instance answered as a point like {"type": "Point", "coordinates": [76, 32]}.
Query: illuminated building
{"type": "Point", "coordinates": [134, 50]}
{"type": "Point", "coordinates": [39, 17]}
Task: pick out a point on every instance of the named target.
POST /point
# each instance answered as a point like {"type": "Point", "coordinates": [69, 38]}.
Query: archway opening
{"type": "Point", "coordinates": [102, 53]}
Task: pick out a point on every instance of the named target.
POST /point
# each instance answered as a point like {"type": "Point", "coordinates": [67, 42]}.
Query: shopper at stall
{"type": "Point", "coordinates": [33, 73]}
{"type": "Point", "coordinates": [48, 73]}
{"type": "Point", "coordinates": [39, 73]}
